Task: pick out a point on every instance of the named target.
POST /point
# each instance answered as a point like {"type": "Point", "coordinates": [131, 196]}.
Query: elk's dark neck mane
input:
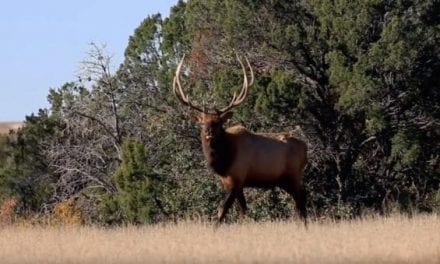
{"type": "Point", "coordinates": [219, 152]}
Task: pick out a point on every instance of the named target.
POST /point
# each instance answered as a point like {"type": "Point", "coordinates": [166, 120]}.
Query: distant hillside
{"type": "Point", "coordinates": [5, 127]}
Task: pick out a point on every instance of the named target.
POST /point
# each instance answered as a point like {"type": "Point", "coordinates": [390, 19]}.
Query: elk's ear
{"type": "Point", "coordinates": [197, 118]}
{"type": "Point", "coordinates": [226, 116]}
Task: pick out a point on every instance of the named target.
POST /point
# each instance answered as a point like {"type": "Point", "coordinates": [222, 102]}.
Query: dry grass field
{"type": "Point", "coordinates": [377, 240]}
{"type": "Point", "coordinates": [6, 126]}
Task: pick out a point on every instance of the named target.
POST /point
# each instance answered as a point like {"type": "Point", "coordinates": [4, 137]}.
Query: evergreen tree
{"type": "Point", "coordinates": [136, 200]}
{"type": "Point", "coordinates": [25, 173]}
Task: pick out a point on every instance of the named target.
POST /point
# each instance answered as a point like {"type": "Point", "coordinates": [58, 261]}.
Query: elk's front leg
{"type": "Point", "coordinates": [226, 204]}
{"type": "Point", "coordinates": [299, 195]}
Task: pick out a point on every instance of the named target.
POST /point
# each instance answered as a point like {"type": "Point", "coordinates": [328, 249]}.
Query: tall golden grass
{"type": "Point", "coordinates": [394, 239]}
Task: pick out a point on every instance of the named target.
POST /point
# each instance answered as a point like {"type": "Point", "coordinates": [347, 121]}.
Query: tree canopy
{"type": "Point", "coordinates": [357, 80]}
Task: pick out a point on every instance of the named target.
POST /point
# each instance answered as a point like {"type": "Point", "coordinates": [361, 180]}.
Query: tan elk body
{"type": "Point", "coordinates": [245, 159]}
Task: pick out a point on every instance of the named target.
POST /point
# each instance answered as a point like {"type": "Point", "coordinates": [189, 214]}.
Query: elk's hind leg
{"type": "Point", "coordinates": [226, 204]}
{"type": "Point", "coordinates": [241, 203]}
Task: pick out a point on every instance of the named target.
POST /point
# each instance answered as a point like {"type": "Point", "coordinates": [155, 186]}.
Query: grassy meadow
{"type": "Point", "coordinates": [394, 239]}
{"type": "Point", "coordinates": [5, 127]}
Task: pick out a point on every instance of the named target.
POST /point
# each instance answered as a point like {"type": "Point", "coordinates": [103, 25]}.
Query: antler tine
{"type": "Point", "coordinates": [237, 100]}
{"type": "Point", "coordinates": [244, 89]}
{"type": "Point", "coordinates": [246, 84]}
{"type": "Point", "coordinates": [178, 91]}
{"type": "Point", "coordinates": [231, 104]}
{"type": "Point", "coordinates": [250, 69]}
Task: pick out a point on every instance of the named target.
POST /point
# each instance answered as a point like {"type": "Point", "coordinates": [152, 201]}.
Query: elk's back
{"type": "Point", "coordinates": [266, 157]}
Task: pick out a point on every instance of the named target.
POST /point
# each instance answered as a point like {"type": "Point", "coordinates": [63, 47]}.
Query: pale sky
{"type": "Point", "coordinates": [42, 43]}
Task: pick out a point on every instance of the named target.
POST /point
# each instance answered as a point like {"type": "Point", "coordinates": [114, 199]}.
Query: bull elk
{"type": "Point", "coordinates": [245, 159]}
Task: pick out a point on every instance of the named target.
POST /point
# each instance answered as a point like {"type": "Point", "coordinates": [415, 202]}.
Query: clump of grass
{"type": "Point", "coordinates": [7, 211]}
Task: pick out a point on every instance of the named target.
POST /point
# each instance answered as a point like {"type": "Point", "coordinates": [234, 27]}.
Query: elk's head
{"type": "Point", "coordinates": [212, 120]}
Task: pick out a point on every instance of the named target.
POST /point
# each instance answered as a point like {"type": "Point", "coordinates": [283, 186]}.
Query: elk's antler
{"type": "Point", "coordinates": [236, 100]}
{"type": "Point", "coordinates": [178, 91]}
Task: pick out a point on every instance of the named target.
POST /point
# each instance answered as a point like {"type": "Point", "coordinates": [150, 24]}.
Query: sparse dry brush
{"type": "Point", "coordinates": [7, 210]}
{"type": "Point", "coordinates": [395, 239]}
{"type": "Point", "coordinates": [67, 213]}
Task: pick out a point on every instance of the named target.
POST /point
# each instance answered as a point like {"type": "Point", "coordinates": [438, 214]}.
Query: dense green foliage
{"type": "Point", "coordinates": [358, 80]}
{"type": "Point", "coordinates": [136, 198]}
{"type": "Point", "coordinates": [25, 173]}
